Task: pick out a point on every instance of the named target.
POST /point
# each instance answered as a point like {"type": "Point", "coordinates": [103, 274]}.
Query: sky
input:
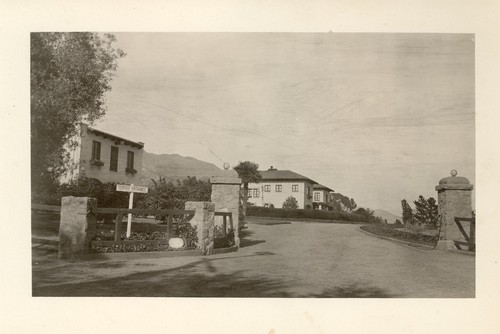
{"type": "Point", "coordinates": [376, 117]}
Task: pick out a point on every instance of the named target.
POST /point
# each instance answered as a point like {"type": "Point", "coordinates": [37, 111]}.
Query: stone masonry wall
{"type": "Point", "coordinates": [204, 221]}
{"type": "Point", "coordinates": [77, 226]}
{"type": "Point", "coordinates": [454, 203]}
{"type": "Point", "coordinates": [226, 197]}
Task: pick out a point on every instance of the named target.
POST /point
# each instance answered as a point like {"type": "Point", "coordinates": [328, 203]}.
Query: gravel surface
{"type": "Point", "coordinates": [290, 260]}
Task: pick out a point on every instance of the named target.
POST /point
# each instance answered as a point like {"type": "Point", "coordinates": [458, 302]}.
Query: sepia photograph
{"type": "Point", "coordinates": [249, 167]}
{"type": "Point", "coordinates": [323, 165]}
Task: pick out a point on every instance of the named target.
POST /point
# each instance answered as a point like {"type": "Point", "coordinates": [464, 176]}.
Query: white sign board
{"type": "Point", "coordinates": [131, 188]}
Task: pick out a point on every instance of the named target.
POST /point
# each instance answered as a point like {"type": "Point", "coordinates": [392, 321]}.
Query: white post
{"type": "Point", "coordinates": [130, 204]}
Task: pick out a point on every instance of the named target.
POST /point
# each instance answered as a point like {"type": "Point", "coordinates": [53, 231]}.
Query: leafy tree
{"type": "Point", "coordinates": [426, 211]}
{"type": "Point", "coordinates": [248, 172]}
{"type": "Point", "coordinates": [70, 74]}
{"type": "Point", "coordinates": [352, 204]}
{"type": "Point", "coordinates": [368, 215]}
{"type": "Point", "coordinates": [407, 214]}
{"type": "Point", "coordinates": [169, 195]}
{"type": "Point", "coordinates": [343, 203]}
{"type": "Point", "coordinates": [290, 203]}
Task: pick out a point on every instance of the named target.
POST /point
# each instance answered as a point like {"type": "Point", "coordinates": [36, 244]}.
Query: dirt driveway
{"type": "Point", "coordinates": [293, 260]}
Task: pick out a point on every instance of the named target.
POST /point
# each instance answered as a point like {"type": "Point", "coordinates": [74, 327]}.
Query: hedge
{"type": "Point", "coordinates": [390, 231]}
{"type": "Point", "coordinates": [257, 211]}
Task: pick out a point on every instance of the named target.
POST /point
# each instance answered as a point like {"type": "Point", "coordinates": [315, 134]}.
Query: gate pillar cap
{"type": "Point", "coordinates": [454, 182]}
{"type": "Point", "coordinates": [225, 180]}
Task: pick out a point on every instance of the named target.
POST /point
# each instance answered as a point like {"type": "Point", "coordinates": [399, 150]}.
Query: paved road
{"type": "Point", "coordinates": [294, 260]}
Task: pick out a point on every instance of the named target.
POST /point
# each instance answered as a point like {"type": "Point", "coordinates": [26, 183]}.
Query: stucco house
{"type": "Point", "coordinates": [105, 157]}
{"type": "Point", "coordinates": [277, 185]}
{"type": "Point", "coordinates": [322, 199]}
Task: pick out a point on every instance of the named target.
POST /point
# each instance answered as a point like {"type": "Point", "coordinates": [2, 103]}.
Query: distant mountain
{"type": "Point", "coordinates": [175, 167]}
{"type": "Point", "coordinates": [386, 215]}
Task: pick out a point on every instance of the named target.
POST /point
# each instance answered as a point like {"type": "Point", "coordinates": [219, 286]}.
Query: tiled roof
{"type": "Point", "coordinates": [321, 187]}
{"type": "Point", "coordinates": [283, 175]}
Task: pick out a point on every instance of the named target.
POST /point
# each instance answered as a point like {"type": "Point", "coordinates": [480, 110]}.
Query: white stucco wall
{"type": "Point", "coordinates": [82, 155]}
{"type": "Point", "coordinates": [277, 198]}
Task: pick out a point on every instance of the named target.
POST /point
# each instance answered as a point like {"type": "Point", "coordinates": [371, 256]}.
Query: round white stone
{"type": "Point", "coordinates": [176, 242]}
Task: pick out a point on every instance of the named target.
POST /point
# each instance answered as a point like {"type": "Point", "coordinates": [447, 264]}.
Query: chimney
{"type": "Point", "coordinates": [272, 168]}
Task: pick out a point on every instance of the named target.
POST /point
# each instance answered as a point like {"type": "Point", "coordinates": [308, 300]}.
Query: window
{"type": "Point", "coordinates": [267, 188]}
{"type": "Point", "coordinates": [316, 196]}
{"type": "Point", "coordinates": [113, 162]}
{"type": "Point", "coordinates": [96, 150]}
{"type": "Point", "coordinates": [130, 162]}
{"type": "Point", "coordinates": [249, 193]}
{"type": "Point", "coordinates": [278, 188]}
{"type": "Point", "coordinates": [308, 191]}
{"type": "Point", "coordinates": [295, 188]}
{"type": "Point", "coordinates": [256, 193]}
{"type": "Point", "coordinates": [130, 159]}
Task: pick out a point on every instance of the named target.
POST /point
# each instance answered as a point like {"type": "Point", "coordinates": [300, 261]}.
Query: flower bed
{"type": "Point", "coordinates": [221, 241]}
{"type": "Point", "coordinates": [387, 231]}
{"type": "Point", "coordinates": [150, 238]}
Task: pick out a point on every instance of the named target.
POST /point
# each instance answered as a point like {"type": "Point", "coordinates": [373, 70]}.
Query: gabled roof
{"type": "Point", "coordinates": [283, 175]}
{"type": "Point", "coordinates": [321, 187]}
{"type": "Point", "coordinates": [139, 145]}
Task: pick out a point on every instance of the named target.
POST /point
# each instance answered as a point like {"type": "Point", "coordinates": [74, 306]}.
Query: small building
{"type": "Point", "coordinates": [277, 185]}
{"type": "Point", "coordinates": [322, 199]}
{"type": "Point", "coordinates": [105, 157]}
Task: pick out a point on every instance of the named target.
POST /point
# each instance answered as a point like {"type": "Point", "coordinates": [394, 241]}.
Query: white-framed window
{"type": "Point", "coordinates": [278, 188]}
{"type": "Point", "coordinates": [256, 193]}
{"type": "Point", "coordinates": [295, 188]}
{"type": "Point", "coordinates": [316, 196]}
{"type": "Point", "coordinates": [267, 188]}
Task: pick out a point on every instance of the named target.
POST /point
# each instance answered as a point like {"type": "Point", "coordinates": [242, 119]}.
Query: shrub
{"type": "Point", "coordinates": [45, 198]}
{"type": "Point", "coordinates": [223, 242]}
{"type": "Point", "coordinates": [290, 203]}
{"type": "Point", "coordinates": [368, 215]}
{"type": "Point", "coordinates": [303, 214]}
{"type": "Point", "coordinates": [105, 194]}
{"type": "Point", "coordinates": [169, 195]}
{"type": "Point", "coordinates": [386, 230]}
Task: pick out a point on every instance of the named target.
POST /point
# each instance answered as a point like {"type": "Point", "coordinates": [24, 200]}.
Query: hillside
{"type": "Point", "coordinates": [386, 215]}
{"type": "Point", "coordinates": [175, 166]}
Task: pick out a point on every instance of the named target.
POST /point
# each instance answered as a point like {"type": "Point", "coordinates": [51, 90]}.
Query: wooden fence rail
{"type": "Point", "coordinates": [150, 212]}
{"type": "Point", "coordinates": [471, 237]}
{"type": "Point", "coordinates": [43, 207]}
{"type": "Point", "coordinates": [120, 212]}
{"type": "Point", "coordinates": [224, 216]}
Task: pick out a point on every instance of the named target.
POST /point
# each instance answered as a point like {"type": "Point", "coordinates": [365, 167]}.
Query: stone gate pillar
{"type": "Point", "coordinates": [77, 226]}
{"type": "Point", "coordinates": [454, 200]}
{"type": "Point", "coordinates": [204, 221]}
{"type": "Point", "coordinates": [226, 196]}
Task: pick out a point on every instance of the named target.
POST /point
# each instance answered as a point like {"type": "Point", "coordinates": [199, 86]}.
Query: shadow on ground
{"type": "Point", "coordinates": [352, 291]}
{"type": "Point", "coordinates": [199, 278]}
{"type": "Point", "coordinates": [247, 243]}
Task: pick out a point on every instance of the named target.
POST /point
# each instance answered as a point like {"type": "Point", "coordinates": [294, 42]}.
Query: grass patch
{"type": "Point", "coordinates": [385, 230]}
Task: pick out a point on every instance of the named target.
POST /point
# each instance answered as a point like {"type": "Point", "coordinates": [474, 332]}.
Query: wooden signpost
{"type": "Point", "coordinates": [130, 188]}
